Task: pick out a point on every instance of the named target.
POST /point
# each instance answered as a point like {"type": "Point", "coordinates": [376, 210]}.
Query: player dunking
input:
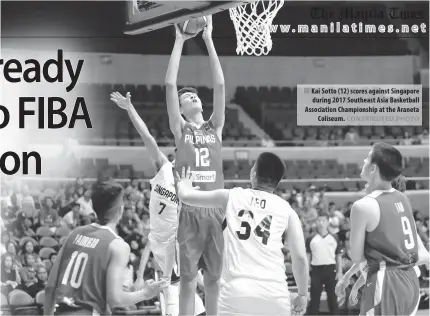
{"type": "Point", "coordinates": [253, 276]}
{"type": "Point", "coordinates": [198, 144]}
{"type": "Point", "coordinates": [163, 207]}
{"type": "Point", "coordinates": [88, 274]}
{"type": "Point", "coordinates": [384, 234]}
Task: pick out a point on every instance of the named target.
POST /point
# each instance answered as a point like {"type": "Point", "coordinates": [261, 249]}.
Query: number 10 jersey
{"type": "Point", "coordinates": [256, 222]}
{"type": "Point", "coordinates": [83, 267]}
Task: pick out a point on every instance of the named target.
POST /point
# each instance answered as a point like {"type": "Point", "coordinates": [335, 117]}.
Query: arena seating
{"type": "Point", "coordinates": [239, 169]}
{"type": "Point", "coordinates": [150, 104]}
{"type": "Point", "coordinates": [275, 109]}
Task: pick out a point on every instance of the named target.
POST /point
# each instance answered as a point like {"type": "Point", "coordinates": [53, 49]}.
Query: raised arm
{"type": "Point", "coordinates": [218, 116]}
{"type": "Point", "coordinates": [157, 157]}
{"type": "Point", "coordinates": [176, 121]}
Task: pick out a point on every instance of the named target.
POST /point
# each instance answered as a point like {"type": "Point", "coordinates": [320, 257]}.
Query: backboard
{"type": "Point", "coordinates": [147, 16]}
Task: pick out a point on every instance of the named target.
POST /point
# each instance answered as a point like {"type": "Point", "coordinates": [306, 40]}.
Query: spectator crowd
{"type": "Point", "coordinates": [35, 223]}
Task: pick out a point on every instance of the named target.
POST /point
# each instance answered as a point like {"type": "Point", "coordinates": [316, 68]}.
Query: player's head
{"type": "Point", "coordinates": [107, 198]}
{"type": "Point", "coordinates": [189, 102]}
{"type": "Point", "coordinates": [267, 171]}
{"type": "Point", "coordinates": [383, 163]}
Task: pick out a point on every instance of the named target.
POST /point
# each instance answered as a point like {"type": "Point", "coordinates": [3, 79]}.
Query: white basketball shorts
{"type": "Point", "coordinates": [246, 297]}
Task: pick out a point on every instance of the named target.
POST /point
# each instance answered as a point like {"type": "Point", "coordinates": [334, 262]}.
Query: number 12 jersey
{"type": "Point", "coordinates": [256, 222]}
{"type": "Point", "coordinates": [200, 149]}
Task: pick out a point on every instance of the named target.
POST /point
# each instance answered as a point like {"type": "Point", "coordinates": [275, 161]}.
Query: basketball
{"type": "Point", "coordinates": [193, 26]}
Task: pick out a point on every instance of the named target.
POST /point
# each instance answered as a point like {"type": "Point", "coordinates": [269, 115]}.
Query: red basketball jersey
{"type": "Point", "coordinates": [83, 268]}
{"type": "Point", "coordinates": [395, 238]}
{"type": "Point", "coordinates": [200, 149]}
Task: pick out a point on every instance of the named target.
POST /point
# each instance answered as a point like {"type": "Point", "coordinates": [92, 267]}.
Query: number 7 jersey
{"type": "Point", "coordinates": [200, 149]}
{"type": "Point", "coordinates": [256, 222]}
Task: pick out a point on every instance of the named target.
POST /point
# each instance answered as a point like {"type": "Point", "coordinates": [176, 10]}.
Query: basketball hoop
{"type": "Point", "coordinates": [252, 25]}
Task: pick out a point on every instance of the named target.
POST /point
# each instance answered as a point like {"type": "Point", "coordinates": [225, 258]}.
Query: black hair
{"type": "Point", "coordinates": [269, 169]}
{"type": "Point", "coordinates": [107, 198]}
{"type": "Point", "coordinates": [51, 255]}
{"type": "Point", "coordinates": [388, 159]}
{"type": "Point", "coordinates": [399, 183]}
{"type": "Point", "coordinates": [186, 90]}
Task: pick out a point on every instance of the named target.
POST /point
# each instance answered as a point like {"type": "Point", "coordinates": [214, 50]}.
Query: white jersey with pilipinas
{"type": "Point", "coordinates": [256, 222]}
{"type": "Point", "coordinates": [163, 205]}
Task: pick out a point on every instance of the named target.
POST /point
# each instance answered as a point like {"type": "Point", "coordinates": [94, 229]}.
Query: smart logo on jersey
{"type": "Point", "coordinates": [200, 139]}
{"type": "Point", "coordinates": [166, 193]}
{"type": "Point", "coordinates": [204, 176]}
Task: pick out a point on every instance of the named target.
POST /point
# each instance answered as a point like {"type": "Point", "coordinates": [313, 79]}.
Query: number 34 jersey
{"type": "Point", "coordinates": [256, 222]}
{"type": "Point", "coordinates": [200, 149]}
{"type": "Point", "coordinates": [83, 268]}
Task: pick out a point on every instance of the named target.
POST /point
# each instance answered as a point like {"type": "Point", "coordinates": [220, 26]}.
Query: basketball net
{"type": "Point", "coordinates": [252, 25]}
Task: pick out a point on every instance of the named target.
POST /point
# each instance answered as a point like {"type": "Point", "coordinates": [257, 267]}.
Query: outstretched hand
{"type": "Point", "coordinates": [153, 288]}
{"type": "Point", "coordinates": [120, 100]}
{"type": "Point", "coordinates": [207, 31]}
{"type": "Point", "coordinates": [185, 177]}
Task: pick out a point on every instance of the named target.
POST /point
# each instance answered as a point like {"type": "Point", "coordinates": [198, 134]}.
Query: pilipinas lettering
{"type": "Point", "coordinates": [200, 139]}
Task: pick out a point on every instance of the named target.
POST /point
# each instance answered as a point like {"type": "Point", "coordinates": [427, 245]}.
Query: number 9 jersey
{"type": "Point", "coordinates": [394, 240]}
{"type": "Point", "coordinates": [83, 267]}
{"type": "Point", "coordinates": [391, 250]}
